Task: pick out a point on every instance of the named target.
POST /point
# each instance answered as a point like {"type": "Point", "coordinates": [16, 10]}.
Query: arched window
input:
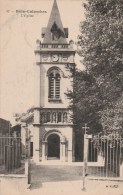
{"type": "Point", "coordinates": [54, 84]}
{"type": "Point", "coordinates": [54, 117]}
{"type": "Point", "coordinates": [64, 117]}
{"type": "Point", "coordinates": [55, 32]}
{"type": "Point", "coordinates": [59, 117]}
{"type": "Point", "coordinates": [48, 117]}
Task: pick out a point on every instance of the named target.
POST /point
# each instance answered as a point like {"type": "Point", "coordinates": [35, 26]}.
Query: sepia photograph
{"type": "Point", "coordinates": [61, 97]}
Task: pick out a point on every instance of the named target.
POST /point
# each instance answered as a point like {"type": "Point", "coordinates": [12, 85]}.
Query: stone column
{"type": "Point", "coordinates": [69, 152]}
{"type": "Point", "coordinates": [37, 86]}
{"type": "Point", "coordinates": [36, 124]}
{"type": "Point", "coordinates": [36, 116]}
{"type": "Point", "coordinates": [36, 143]}
{"type": "Point", "coordinates": [44, 148]}
{"type": "Point", "coordinates": [63, 149]}
{"type": "Point", "coordinates": [36, 135]}
{"type": "Point", "coordinates": [63, 157]}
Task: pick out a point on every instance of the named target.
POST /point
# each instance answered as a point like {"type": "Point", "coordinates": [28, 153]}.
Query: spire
{"type": "Point", "coordinates": [55, 32]}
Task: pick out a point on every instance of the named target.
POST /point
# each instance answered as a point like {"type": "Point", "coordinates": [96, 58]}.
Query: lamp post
{"type": "Point", "coordinates": [85, 128]}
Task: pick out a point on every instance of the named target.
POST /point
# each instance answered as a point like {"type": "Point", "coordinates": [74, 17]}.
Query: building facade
{"type": "Point", "coordinates": [49, 121]}
{"type": "Point", "coordinates": [5, 127]}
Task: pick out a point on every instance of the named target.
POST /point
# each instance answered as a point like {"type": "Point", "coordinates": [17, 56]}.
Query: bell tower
{"type": "Point", "coordinates": [53, 135]}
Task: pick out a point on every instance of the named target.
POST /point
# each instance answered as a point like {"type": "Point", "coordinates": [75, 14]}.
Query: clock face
{"type": "Point", "coordinates": [55, 57]}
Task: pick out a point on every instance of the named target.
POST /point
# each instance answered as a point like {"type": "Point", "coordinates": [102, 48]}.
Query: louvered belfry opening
{"type": "Point", "coordinates": [54, 85]}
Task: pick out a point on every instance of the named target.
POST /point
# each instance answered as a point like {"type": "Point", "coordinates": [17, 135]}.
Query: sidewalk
{"type": "Point", "coordinates": [65, 188]}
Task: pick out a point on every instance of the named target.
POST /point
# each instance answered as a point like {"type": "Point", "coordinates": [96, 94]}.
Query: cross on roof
{"type": "Point", "coordinates": [85, 128]}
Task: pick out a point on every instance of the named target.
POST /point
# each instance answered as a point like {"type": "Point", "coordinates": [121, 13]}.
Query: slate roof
{"type": "Point", "coordinates": [54, 19]}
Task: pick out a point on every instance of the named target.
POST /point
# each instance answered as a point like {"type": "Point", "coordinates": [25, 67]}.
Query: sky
{"type": "Point", "coordinates": [18, 37]}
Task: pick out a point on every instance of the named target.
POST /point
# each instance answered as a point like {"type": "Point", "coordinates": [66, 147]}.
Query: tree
{"type": "Point", "coordinates": [100, 44]}
{"type": "Point", "coordinates": [86, 103]}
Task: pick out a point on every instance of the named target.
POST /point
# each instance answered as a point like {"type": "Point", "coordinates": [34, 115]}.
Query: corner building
{"type": "Point", "coordinates": [53, 136]}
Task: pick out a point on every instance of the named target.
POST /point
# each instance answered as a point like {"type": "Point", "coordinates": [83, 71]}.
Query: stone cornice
{"type": "Point", "coordinates": [57, 63]}
{"type": "Point", "coordinates": [26, 117]}
{"type": "Point", "coordinates": [52, 51]}
{"type": "Point", "coordinates": [36, 124]}
{"type": "Point", "coordinates": [51, 109]}
{"type": "Point", "coordinates": [54, 125]}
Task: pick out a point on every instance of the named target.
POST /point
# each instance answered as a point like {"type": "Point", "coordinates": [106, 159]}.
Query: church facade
{"type": "Point", "coordinates": [48, 123]}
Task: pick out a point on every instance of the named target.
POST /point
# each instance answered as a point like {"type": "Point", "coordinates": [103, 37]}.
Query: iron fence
{"type": "Point", "coordinates": [10, 154]}
{"type": "Point", "coordinates": [107, 153]}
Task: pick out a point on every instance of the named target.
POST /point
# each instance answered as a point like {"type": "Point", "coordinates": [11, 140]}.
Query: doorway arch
{"type": "Point", "coordinates": [53, 146]}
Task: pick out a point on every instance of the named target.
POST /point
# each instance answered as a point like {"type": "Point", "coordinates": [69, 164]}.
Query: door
{"type": "Point", "coordinates": [54, 147]}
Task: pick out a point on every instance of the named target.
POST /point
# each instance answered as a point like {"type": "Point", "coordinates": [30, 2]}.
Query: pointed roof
{"type": "Point", "coordinates": [55, 20]}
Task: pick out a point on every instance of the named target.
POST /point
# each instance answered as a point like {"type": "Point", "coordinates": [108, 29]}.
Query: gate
{"type": "Point", "coordinates": [106, 151]}
{"type": "Point", "coordinates": [10, 153]}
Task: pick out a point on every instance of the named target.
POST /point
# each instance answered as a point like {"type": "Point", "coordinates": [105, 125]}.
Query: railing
{"type": "Point", "coordinates": [10, 155]}
{"type": "Point", "coordinates": [62, 46]}
{"type": "Point", "coordinates": [53, 46]}
{"type": "Point", "coordinates": [107, 151]}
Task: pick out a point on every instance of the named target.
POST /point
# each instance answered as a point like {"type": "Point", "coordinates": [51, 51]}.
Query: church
{"type": "Point", "coordinates": [47, 129]}
{"type": "Point", "coordinates": [48, 124]}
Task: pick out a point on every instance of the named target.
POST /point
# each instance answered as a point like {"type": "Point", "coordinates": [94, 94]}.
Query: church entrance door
{"type": "Point", "coordinates": [53, 146]}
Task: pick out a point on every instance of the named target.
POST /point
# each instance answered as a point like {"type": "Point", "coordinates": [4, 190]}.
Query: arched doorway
{"type": "Point", "coordinates": [53, 142]}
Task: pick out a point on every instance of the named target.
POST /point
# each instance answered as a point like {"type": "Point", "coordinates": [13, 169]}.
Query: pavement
{"type": "Point", "coordinates": [59, 180]}
{"type": "Point", "coordinates": [59, 173]}
{"type": "Point", "coordinates": [64, 188]}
